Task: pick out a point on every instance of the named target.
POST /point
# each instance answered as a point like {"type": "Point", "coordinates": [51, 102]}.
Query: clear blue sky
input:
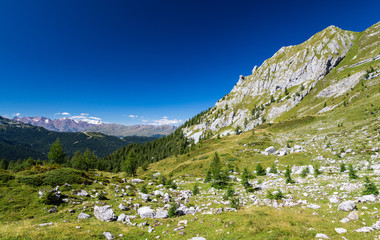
{"type": "Point", "coordinates": [150, 59]}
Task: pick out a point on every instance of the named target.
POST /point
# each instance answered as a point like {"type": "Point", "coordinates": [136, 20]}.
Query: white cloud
{"type": "Point", "coordinates": [132, 116]}
{"type": "Point", "coordinates": [17, 114]}
{"type": "Point", "coordinates": [84, 114]}
{"type": "Point", "coordinates": [66, 113]}
{"type": "Point", "coordinates": [166, 121]}
{"type": "Point", "coordinates": [95, 118]}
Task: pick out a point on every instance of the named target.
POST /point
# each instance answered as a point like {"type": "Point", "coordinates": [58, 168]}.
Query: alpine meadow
{"type": "Point", "coordinates": [291, 152]}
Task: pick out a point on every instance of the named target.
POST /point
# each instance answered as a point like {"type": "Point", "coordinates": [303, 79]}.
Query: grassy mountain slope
{"type": "Point", "coordinates": [298, 81]}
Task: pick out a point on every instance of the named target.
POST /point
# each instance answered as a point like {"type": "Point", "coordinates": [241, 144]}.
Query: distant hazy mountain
{"type": "Point", "coordinates": [70, 125]}
{"type": "Point", "coordinates": [20, 141]}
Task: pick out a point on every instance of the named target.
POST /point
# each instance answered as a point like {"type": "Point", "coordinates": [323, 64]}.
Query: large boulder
{"type": "Point", "coordinates": [367, 198]}
{"type": "Point", "coordinates": [104, 213]}
{"type": "Point", "coordinates": [162, 213]}
{"type": "Point", "coordinates": [270, 150]}
{"type": "Point", "coordinates": [334, 199]}
{"type": "Point", "coordinates": [146, 212]}
{"type": "Point", "coordinates": [347, 206]}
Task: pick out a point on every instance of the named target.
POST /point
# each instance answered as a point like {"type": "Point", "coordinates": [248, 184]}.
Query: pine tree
{"type": "Point", "coordinates": [4, 164]}
{"type": "Point", "coordinates": [370, 187]}
{"type": "Point", "coordinates": [130, 164]}
{"type": "Point", "coordinates": [352, 172]}
{"type": "Point", "coordinates": [56, 154]}
{"type": "Point", "coordinates": [342, 167]}
{"type": "Point", "coordinates": [288, 178]}
{"type": "Point", "coordinates": [260, 171]}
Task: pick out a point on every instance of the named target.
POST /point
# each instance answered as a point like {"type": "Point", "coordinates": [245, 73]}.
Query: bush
{"type": "Point", "coordinates": [229, 193]}
{"type": "Point", "coordinates": [304, 172]}
{"type": "Point", "coordinates": [288, 178]}
{"type": "Point", "coordinates": [277, 196]}
{"type": "Point", "coordinates": [195, 190]}
{"type": "Point", "coordinates": [61, 176]}
{"type": "Point", "coordinates": [316, 171]}
{"type": "Point", "coordinates": [235, 203]}
{"type": "Point", "coordinates": [5, 177]}
{"type": "Point", "coordinates": [352, 172]}
{"type": "Point", "coordinates": [370, 187]}
{"type": "Point", "coordinates": [173, 209]}
{"type": "Point", "coordinates": [50, 198]}
{"type": "Point", "coordinates": [260, 171]}
{"type": "Point", "coordinates": [102, 196]}
{"type": "Point", "coordinates": [342, 167]}
{"type": "Point", "coordinates": [33, 180]}
{"type": "Point", "coordinates": [144, 189]}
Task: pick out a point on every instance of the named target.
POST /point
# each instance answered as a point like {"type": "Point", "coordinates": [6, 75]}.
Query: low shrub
{"type": "Point", "coordinates": [61, 176]}
{"type": "Point", "coordinates": [5, 177]}
{"type": "Point", "coordinates": [32, 180]}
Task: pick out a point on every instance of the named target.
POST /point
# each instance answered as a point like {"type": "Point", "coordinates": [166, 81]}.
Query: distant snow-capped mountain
{"type": "Point", "coordinates": [74, 125]}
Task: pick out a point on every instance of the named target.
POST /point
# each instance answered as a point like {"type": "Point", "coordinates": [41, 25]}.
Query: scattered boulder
{"type": "Point", "coordinates": [322, 235]}
{"type": "Point", "coordinates": [45, 224]}
{"type": "Point", "coordinates": [270, 150]}
{"type": "Point", "coordinates": [367, 198]}
{"type": "Point", "coordinates": [313, 206]}
{"type": "Point", "coordinates": [376, 225]}
{"type": "Point", "coordinates": [334, 199]}
{"type": "Point", "coordinates": [82, 193]}
{"type": "Point", "coordinates": [146, 212]}
{"type": "Point", "coordinates": [83, 216]}
{"type": "Point", "coordinates": [198, 238]}
{"type": "Point", "coordinates": [364, 230]}
{"type": "Point", "coordinates": [162, 213]}
{"type": "Point", "coordinates": [340, 230]}
{"type": "Point", "coordinates": [347, 206]}
{"type": "Point", "coordinates": [353, 216]}
{"type": "Point", "coordinates": [104, 213]}
{"type": "Point", "coordinates": [123, 208]}
{"type": "Point", "coordinates": [108, 235]}
{"type": "Point", "coordinates": [145, 197]}
{"type": "Point", "coordinates": [137, 180]}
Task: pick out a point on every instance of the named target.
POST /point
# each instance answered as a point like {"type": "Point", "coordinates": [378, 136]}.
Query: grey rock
{"type": "Point", "coordinates": [334, 199]}
{"type": "Point", "coordinates": [340, 230]}
{"type": "Point", "coordinates": [367, 198]}
{"type": "Point", "coordinates": [146, 212]}
{"type": "Point", "coordinates": [123, 208]}
{"type": "Point", "coordinates": [145, 197]}
{"type": "Point", "coordinates": [83, 216]}
{"type": "Point", "coordinates": [104, 213]}
{"type": "Point", "coordinates": [322, 235]}
{"type": "Point", "coordinates": [270, 150]}
{"type": "Point", "coordinates": [364, 229]}
{"type": "Point", "coordinates": [108, 235]}
{"type": "Point", "coordinates": [162, 214]}
{"type": "Point", "coordinates": [347, 206]}
{"type": "Point", "coordinates": [137, 180]}
{"type": "Point", "coordinates": [82, 193]}
{"type": "Point", "coordinates": [45, 224]}
{"type": "Point", "coordinates": [353, 216]}
{"type": "Point", "coordinates": [198, 238]}
{"type": "Point", "coordinates": [376, 225]}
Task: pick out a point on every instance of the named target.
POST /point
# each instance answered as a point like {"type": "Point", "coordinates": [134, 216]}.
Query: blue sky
{"type": "Point", "coordinates": [139, 61]}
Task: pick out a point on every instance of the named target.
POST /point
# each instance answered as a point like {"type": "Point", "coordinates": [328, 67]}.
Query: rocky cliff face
{"type": "Point", "coordinates": [285, 79]}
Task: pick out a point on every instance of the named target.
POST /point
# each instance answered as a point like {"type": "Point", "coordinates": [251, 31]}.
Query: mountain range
{"type": "Point", "coordinates": [119, 130]}
{"type": "Point", "coordinates": [20, 141]}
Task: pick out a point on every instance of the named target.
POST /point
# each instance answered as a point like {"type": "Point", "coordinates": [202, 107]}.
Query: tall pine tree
{"type": "Point", "coordinates": [56, 154]}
